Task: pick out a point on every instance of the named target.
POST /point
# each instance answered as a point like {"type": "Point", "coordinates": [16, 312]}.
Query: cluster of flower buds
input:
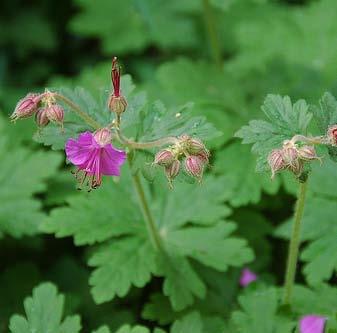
{"type": "Point", "coordinates": [291, 157]}
{"type": "Point", "coordinates": [187, 151]}
{"type": "Point", "coordinates": [116, 103]}
{"type": "Point", "coordinates": [43, 106]}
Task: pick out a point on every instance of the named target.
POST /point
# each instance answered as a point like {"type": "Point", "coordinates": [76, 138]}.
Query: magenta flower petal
{"type": "Point", "coordinates": [247, 277]}
{"type": "Point", "coordinates": [94, 158]}
{"type": "Point", "coordinates": [111, 160]}
{"type": "Point", "coordinates": [312, 324]}
{"type": "Point", "coordinates": [77, 151]}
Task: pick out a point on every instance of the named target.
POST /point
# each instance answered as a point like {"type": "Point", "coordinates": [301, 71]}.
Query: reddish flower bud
{"type": "Point", "coordinates": [194, 166]}
{"type": "Point", "coordinates": [41, 118]}
{"type": "Point", "coordinates": [26, 107]}
{"type": "Point", "coordinates": [290, 153]}
{"type": "Point", "coordinates": [332, 135]}
{"type": "Point", "coordinates": [164, 157]}
{"type": "Point", "coordinates": [204, 156]}
{"type": "Point", "coordinates": [307, 153]}
{"type": "Point", "coordinates": [276, 161]}
{"type": "Point", "coordinates": [55, 113]}
{"type": "Point", "coordinates": [103, 136]}
{"type": "Point", "coordinates": [172, 170]}
{"type": "Point", "coordinates": [117, 104]}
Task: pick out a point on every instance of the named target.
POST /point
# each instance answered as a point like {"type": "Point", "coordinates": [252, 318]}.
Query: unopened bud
{"type": "Point", "coordinates": [194, 166]}
{"type": "Point", "coordinates": [204, 156]}
{"type": "Point", "coordinates": [172, 170]}
{"type": "Point", "coordinates": [164, 157]}
{"type": "Point", "coordinates": [276, 161]}
{"type": "Point", "coordinates": [41, 118]}
{"type": "Point", "coordinates": [103, 136]}
{"type": "Point", "coordinates": [55, 113]}
{"type": "Point", "coordinates": [290, 153]}
{"type": "Point", "coordinates": [117, 104]}
{"type": "Point", "coordinates": [26, 107]}
{"type": "Point", "coordinates": [308, 153]}
{"type": "Point", "coordinates": [296, 167]}
{"type": "Point", "coordinates": [332, 135]}
{"type": "Point", "coordinates": [195, 146]}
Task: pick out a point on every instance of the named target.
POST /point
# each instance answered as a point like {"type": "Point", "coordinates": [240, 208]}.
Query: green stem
{"type": "Point", "coordinates": [91, 122]}
{"type": "Point", "coordinates": [149, 220]}
{"type": "Point", "coordinates": [212, 34]}
{"type": "Point", "coordinates": [294, 243]}
{"type": "Point", "coordinates": [145, 145]}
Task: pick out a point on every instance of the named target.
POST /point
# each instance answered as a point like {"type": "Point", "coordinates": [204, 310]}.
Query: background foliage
{"type": "Point", "coordinates": [94, 253]}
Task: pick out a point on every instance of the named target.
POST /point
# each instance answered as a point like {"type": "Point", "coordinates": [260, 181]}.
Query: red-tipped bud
{"type": "Point", "coordinates": [55, 113]}
{"type": "Point", "coordinates": [332, 135]}
{"type": "Point", "coordinates": [307, 153]}
{"type": "Point", "coordinates": [276, 161]}
{"type": "Point", "coordinates": [172, 170]}
{"type": "Point", "coordinates": [117, 104]}
{"type": "Point", "coordinates": [26, 107]}
{"type": "Point", "coordinates": [194, 166]}
{"type": "Point", "coordinates": [41, 118]}
{"type": "Point", "coordinates": [103, 136]}
{"type": "Point", "coordinates": [164, 157]}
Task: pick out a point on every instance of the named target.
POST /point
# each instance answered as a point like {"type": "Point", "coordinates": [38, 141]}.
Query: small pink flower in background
{"type": "Point", "coordinates": [94, 156]}
{"type": "Point", "coordinates": [247, 277]}
{"type": "Point", "coordinates": [312, 324]}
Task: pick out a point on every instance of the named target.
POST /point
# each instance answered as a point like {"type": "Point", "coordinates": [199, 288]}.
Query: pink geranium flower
{"type": "Point", "coordinates": [247, 277]}
{"type": "Point", "coordinates": [312, 324]}
{"type": "Point", "coordinates": [94, 156]}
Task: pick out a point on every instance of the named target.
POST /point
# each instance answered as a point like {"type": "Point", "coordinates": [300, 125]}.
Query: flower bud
{"type": "Point", "coordinates": [164, 157]}
{"type": "Point", "coordinates": [26, 107]}
{"type": "Point", "coordinates": [117, 104]}
{"type": "Point", "coordinates": [204, 156]}
{"type": "Point", "coordinates": [103, 136]}
{"type": "Point", "coordinates": [172, 170]}
{"type": "Point", "coordinates": [307, 153]}
{"type": "Point", "coordinates": [290, 153]}
{"type": "Point", "coordinates": [194, 166]}
{"type": "Point", "coordinates": [195, 146]}
{"type": "Point", "coordinates": [276, 161]}
{"type": "Point", "coordinates": [41, 118]}
{"type": "Point", "coordinates": [332, 135]}
{"type": "Point", "coordinates": [55, 113]}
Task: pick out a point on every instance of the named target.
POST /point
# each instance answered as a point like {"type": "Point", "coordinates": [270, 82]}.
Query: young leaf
{"type": "Point", "coordinates": [44, 311]}
{"type": "Point", "coordinates": [284, 121]}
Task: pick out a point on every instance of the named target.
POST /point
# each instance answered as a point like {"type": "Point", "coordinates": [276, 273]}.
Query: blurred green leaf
{"type": "Point", "coordinates": [44, 311]}
{"type": "Point", "coordinates": [259, 313]}
{"type": "Point", "coordinates": [23, 175]}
